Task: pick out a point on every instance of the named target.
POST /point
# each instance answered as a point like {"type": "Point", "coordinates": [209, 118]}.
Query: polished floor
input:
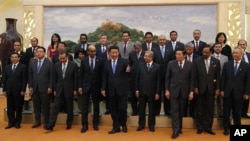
{"type": "Point", "coordinates": [26, 133]}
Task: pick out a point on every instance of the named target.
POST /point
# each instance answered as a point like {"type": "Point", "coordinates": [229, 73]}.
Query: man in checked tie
{"type": "Point", "coordinates": [66, 86]}
{"type": "Point", "coordinates": [235, 81]}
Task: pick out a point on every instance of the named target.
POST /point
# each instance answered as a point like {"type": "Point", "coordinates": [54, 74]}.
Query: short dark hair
{"type": "Point", "coordinates": [63, 44]}
{"type": "Point", "coordinates": [182, 50]}
{"type": "Point", "coordinates": [40, 47]}
{"type": "Point", "coordinates": [173, 31]}
{"type": "Point", "coordinates": [126, 32]}
{"type": "Point", "coordinates": [208, 46]}
{"type": "Point", "coordinates": [217, 43]}
{"type": "Point", "coordinates": [148, 33]}
{"type": "Point", "coordinates": [113, 47]}
{"type": "Point", "coordinates": [80, 51]}
{"type": "Point", "coordinates": [218, 35]}
{"type": "Point", "coordinates": [63, 52]}
{"type": "Point", "coordinates": [15, 53]}
{"type": "Point", "coordinates": [83, 34]}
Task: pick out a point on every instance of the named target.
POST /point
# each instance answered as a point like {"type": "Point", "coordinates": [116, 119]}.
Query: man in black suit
{"type": "Point", "coordinates": [148, 44]}
{"type": "Point", "coordinates": [90, 85]}
{"type": "Point", "coordinates": [83, 45]}
{"type": "Point", "coordinates": [31, 50]}
{"type": "Point", "coordinates": [115, 75]}
{"type": "Point", "coordinates": [179, 89]}
{"type": "Point", "coordinates": [173, 44]}
{"type": "Point", "coordinates": [147, 89]}
{"type": "Point", "coordinates": [191, 57]}
{"type": "Point", "coordinates": [14, 87]}
{"type": "Point", "coordinates": [206, 71]}
{"type": "Point", "coordinates": [41, 85]}
{"type": "Point", "coordinates": [246, 58]}
{"type": "Point", "coordinates": [66, 86]}
{"type": "Point", "coordinates": [18, 49]}
{"type": "Point", "coordinates": [162, 57]}
{"type": "Point", "coordinates": [235, 81]}
{"type": "Point", "coordinates": [134, 59]}
{"type": "Point", "coordinates": [198, 44]}
{"type": "Point", "coordinates": [61, 47]}
{"type": "Point", "coordinates": [101, 48]}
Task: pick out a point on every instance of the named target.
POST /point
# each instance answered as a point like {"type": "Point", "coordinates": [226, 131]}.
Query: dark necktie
{"type": "Point", "coordinates": [235, 68]}
{"type": "Point", "coordinates": [39, 66]}
{"type": "Point", "coordinates": [196, 46]}
{"type": "Point", "coordinates": [63, 70]}
{"type": "Point", "coordinates": [92, 64]}
{"type": "Point", "coordinates": [125, 47]}
{"type": "Point", "coordinates": [148, 66]}
{"type": "Point", "coordinates": [14, 68]}
{"type": "Point", "coordinates": [162, 51]}
{"type": "Point", "coordinates": [189, 58]}
{"type": "Point", "coordinates": [180, 65]}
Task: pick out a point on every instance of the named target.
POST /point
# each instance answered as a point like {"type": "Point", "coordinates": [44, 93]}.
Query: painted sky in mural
{"type": "Point", "coordinates": [70, 22]}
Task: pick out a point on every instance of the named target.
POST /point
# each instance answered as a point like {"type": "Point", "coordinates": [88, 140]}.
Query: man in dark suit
{"type": "Point", "coordinates": [147, 89]}
{"type": "Point", "coordinates": [66, 86]}
{"type": "Point", "coordinates": [101, 48]}
{"type": "Point", "coordinates": [198, 44]}
{"type": "Point", "coordinates": [134, 59]}
{"type": "Point", "coordinates": [61, 47]}
{"type": "Point", "coordinates": [173, 44]}
{"type": "Point", "coordinates": [148, 44]}
{"type": "Point", "coordinates": [191, 57]}
{"type": "Point", "coordinates": [179, 88]}
{"type": "Point", "coordinates": [40, 85]}
{"type": "Point", "coordinates": [206, 71]}
{"type": "Point", "coordinates": [83, 45]}
{"type": "Point", "coordinates": [18, 49]}
{"type": "Point", "coordinates": [115, 75]}
{"type": "Point", "coordinates": [90, 85]}
{"type": "Point", "coordinates": [246, 58]}
{"type": "Point", "coordinates": [162, 57]}
{"type": "Point", "coordinates": [31, 50]}
{"type": "Point", "coordinates": [235, 81]}
{"type": "Point", "coordinates": [14, 87]}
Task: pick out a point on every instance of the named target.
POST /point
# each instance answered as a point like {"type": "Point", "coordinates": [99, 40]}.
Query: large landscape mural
{"type": "Point", "coordinates": [70, 22]}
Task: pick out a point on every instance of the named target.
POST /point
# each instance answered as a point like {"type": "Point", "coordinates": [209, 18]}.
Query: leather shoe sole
{"type": "Point", "coordinates": [114, 131]}
{"type": "Point", "coordinates": [35, 125]}
{"type": "Point", "coordinates": [9, 126]}
{"type": "Point", "coordinates": [140, 128]}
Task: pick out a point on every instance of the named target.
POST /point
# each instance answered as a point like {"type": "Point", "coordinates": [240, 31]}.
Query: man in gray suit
{"type": "Point", "coordinates": [40, 85]}
{"type": "Point", "coordinates": [223, 59]}
{"type": "Point", "coordinates": [179, 88]}
{"type": "Point", "coordinates": [125, 46]}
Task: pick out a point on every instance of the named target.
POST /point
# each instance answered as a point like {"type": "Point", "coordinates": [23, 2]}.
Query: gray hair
{"type": "Point", "coordinates": [242, 40]}
{"type": "Point", "coordinates": [241, 49]}
{"type": "Point", "coordinates": [151, 53]}
{"type": "Point", "coordinates": [138, 44]}
{"type": "Point", "coordinates": [189, 44]}
{"type": "Point", "coordinates": [162, 36]}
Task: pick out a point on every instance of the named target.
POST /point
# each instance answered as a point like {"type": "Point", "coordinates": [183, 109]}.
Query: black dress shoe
{"type": "Point", "coordinates": [96, 127]}
{"type": "Point", "coordinates": [84, 129]}
{"type": "Point", "coordinates": [140, 128]}
{"type": "Point", "coordinates": [17, 126]}
{"type": "Point", "coordinates": [152, 129]}
{"type": "Point", "coordinates": [124, 129]}
{"type": "Point", "coordinates": [199, 131]}
{"type": "Point", "coordinates": [9, 126]}
{"type": "Point", "coordinates": [226, 132]}
{"type": "Point", "coordinates": [35, 125]}
{"type": "Point", "coordinates": [180, 131]}
{"type": "Point", "coordinates": [113, 131]}
{"type": "Point", "coordinates": [209, 131]}
{"type": "Point", "coordinates": [107, 112]}
{"type": "Point", "coordinates": [245, 116]}
{"type": "Point", "coordinates": [174, 135]}
{"type": "Point", "coordinates": [48, 128]}
{"type": "Point", "coordinates": [68, 127]}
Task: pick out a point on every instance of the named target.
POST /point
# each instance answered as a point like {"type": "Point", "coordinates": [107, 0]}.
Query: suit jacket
{"type": "Point", "coordinates": [163, 62]}
{"type": "Point", "coordinates": [179, 45]}
{"type": "Point", "coordinates": [99, 50]}
{"type": "Point", "coordinates": [68, 84]}
{"type": "Point", "coordinates": [239, 83]}
{"type": "Point", "coordinates": [144, 46]}
{"type": "Point", "coordinates": [89, 78]}
{"type": "Point", "coordinates": [78, 48]}
{"type": "Point", "coordinates": [148, 82]}
{"type": "Point", "coordinates": [202, 44]}
{"type": "Point", "coordinates": [55, 58]}
{"type": "Point", "coordinates": [118, 83]}
{"type": "Point", "coordinates": [194, 57]}
{"type": "Point", "coordinates": [134, 63]}
{"type": "Point", "coordinates": [248, 57]}
{"type": "Point", "coordinates": [23, 58]}
{"type": "Point", "coordinates": [204, 80]}
{"type": "Point", "coordinates": [129, 48]}
{"type": "Point", "coordinates": [15, 82]}
{"type": "Point", "coordinates": [179, 82]}
{"type": "Point", "coordinates": [29, 53]}
{"type": "Point", "coordinates": [223, 60]}
{"type": "Point", "coordinates": [44, 79]}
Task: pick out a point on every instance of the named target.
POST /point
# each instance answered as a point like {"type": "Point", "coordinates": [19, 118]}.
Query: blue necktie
{"type": "Point", "coordinates": [14, 69]}
{"type": "Point", "coordinates": [162, 51]}
{"type": "Point", "coordinates": [235, 68]}
{"type": "Point", "coordinates": [113, 66]}
{"type": "Point", "coordinates": [92, 65]}
{"type": "Point", "coordinates": [39, 66]}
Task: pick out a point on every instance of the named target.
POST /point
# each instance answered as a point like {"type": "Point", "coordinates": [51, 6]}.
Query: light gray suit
{"type": "Point", "coordinates": [40, 82]}
{"type": "Point", "coordinates": [223, 59]}
{"type": "Point", "coordinates": [129, 49]}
